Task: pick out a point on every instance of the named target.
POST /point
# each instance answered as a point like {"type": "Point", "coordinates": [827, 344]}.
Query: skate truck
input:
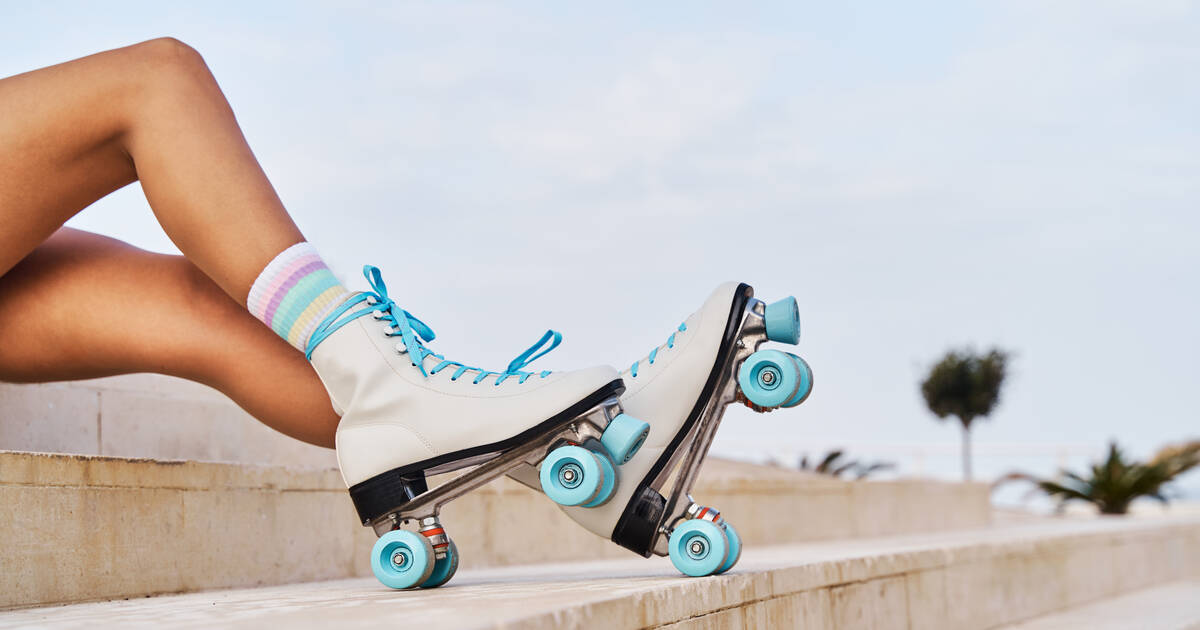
{"type": "Point", "coordinates": [578, 447]}
{"type": "Point", "coordinates": [712, 360]}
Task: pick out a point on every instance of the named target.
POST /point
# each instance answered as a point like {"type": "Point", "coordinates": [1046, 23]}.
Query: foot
{"type": "Point", "coordinates": [406, 411]}
{"type": "Point", "coordinates": [674, 388]}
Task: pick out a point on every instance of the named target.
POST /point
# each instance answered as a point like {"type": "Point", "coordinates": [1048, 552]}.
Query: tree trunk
{"type": "Point", "coordinates": [966, 452]}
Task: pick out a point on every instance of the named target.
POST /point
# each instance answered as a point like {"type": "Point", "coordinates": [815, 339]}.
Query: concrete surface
{"type": "Point", "coordinates": [1174, 606]}
{"type": "Point", "coordinates": [970, 579]}
{"type": "Point", "coordinates": [85, 527]}
{"type": "Point", "coordinates": [144, 415]}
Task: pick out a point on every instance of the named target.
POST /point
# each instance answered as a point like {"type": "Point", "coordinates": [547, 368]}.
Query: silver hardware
{"type": "Point", "coordinates": [702, 512]}
{"type": "Point", "coordinates": [426, 506]}
{"type": "Point", "coordinates": [433, 531]}
{"type": "Point", "coordinates": [687, 460]}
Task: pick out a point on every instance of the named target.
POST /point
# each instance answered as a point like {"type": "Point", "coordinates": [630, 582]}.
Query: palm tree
{"type": "Point", "coordinates": [967, 386]}
{"type": "Point", "coordinates": [1114, 483]}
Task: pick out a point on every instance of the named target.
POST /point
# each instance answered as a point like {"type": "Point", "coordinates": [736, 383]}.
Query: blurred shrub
{"type": "Point", "coordinates": [836, 464]}
{"type": "Point", "coordinates": [1113, 484]}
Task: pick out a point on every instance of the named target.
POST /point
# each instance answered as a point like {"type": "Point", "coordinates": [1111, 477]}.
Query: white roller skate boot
{"type": "Point", "coordinates": [407, 412]}
{"type": "Point", "coordinates": [681, 389]}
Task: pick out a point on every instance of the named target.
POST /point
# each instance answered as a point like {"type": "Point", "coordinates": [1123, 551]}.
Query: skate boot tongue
{"type": "Point", "coordinates": [414, 334]}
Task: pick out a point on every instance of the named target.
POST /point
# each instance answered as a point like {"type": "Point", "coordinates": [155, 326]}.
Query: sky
{"type": "Point", "coordinates": [921, 176]}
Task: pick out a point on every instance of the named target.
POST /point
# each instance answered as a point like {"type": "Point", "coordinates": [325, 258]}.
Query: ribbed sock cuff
{"type": "Point", "coordinates": [294, 293]}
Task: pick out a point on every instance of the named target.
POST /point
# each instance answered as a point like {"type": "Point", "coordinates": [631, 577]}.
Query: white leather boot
{"type": "Point", "coordinates": [681, 389]}
{"type": "Point", "coordinates": [406, 412]}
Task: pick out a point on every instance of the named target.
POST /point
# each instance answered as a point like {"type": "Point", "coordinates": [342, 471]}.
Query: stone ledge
{"type": "Point", "coordinates": [86, 527]}
{"type": "Point", "coordinates": [49, 470]}
{"type": "Point", "coordinates": [971, 579]}
{"type": "Point", "coordinates": [1173, 606]}
{"type": "Point", "coordinates": [144, 415]}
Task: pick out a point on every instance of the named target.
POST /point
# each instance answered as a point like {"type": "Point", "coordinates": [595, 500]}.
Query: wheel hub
{"type": "Point", "coordinates": [768, 378]}
{"type": "Point", "coordinates": [697, 548]}
{"type": "Point", "coordinates": [570, 475]}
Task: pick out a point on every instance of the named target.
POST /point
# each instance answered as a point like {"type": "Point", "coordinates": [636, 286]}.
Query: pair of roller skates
{"type": "Point", "coordinates": [618, 452]}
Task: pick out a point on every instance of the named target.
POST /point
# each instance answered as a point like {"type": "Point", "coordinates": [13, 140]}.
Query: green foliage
{"type": "Point", "coordinates": [836, 464]}
{"type": "Point", "coordinates": [1113, 484]}
{"type": "Point", "coordinates": [965, 385]}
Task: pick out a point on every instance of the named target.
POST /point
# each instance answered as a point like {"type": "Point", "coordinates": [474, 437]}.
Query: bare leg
{"type": "Point", "coordinates": [83, 306]}
{"type": "Point", "coordinates": [75, 132]}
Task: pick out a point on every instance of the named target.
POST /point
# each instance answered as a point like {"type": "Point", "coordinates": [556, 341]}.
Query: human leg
{"type": "Point", "coordinates": [75, 132]}
{"type": "Point", "coordinates": [85, 306]}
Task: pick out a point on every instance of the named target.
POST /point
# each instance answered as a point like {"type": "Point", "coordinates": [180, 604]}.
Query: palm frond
{"type": "Point", "coordinates": [828, 462]}
{"type": "Point", "coordinates": [1112, 484]}
{"type": "Point", "coordinates": [836, 464]}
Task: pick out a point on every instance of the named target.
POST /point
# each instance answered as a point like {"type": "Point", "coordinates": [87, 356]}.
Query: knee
{"type": "Point", "coordinates": [168, 51]}
{"type": "Point", "coordinates": [169, 60]}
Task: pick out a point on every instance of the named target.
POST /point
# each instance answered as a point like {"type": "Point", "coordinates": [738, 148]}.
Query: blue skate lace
{"type": "Point", "coordinates": [633, 369]}
{"type": "Point", "coordinates": [414, 333]}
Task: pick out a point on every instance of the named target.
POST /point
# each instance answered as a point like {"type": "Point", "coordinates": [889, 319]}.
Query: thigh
{"type": "Point", "coordinates": [61, 149]}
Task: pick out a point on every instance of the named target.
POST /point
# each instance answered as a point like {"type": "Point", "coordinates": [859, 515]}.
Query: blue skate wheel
{"type": "Point", "coordinates": [571, 475]}
{"type": "Point", "coordinates": [402, 559]}
{"type": "Point", "coordinates": [698, 547]}
{"type": "Point", "coordinates": [610, 482]}
{"type": "Point", "coordinates": [806, 383]}
{"type": "Point", "coordinates": [443, 568]}
{"type": "Point", "coordinates": [769, 378]}
{"type": "Point", "coordinates": [735, 549]}
{"type": "Point", "coordinates": [623, 437]}
{"type": "Point", "coordinates": [783, 321]}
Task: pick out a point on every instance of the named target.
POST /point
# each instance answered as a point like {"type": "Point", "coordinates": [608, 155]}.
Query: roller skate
{"type": "Point", "coordinates": [682, 389]}
{"type": "Point", "coordinates": [407, 412]}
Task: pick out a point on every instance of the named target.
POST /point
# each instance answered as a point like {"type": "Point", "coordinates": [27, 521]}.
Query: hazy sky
{"type": "Point", "coordinates": [921, 176]}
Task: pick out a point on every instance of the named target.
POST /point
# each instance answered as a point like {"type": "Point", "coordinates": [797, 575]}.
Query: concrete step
{"type": "Point", "coordinates": [84, 527]}
{"type": "Point", "coordinates": [144, 415]}
{"type": "Point", "coordinates": [982, 578]}
{"type": "Point", "coordinates": [1173, 606]}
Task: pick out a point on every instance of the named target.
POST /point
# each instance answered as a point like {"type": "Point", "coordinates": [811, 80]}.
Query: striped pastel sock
{"type": "Point", "coordinates": [294, 293]}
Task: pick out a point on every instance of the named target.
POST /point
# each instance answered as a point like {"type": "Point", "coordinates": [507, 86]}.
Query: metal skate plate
{"type": "Point", "coordinates": [752, 333]}
{"type": "Point", "coordinates": [581, 429]}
